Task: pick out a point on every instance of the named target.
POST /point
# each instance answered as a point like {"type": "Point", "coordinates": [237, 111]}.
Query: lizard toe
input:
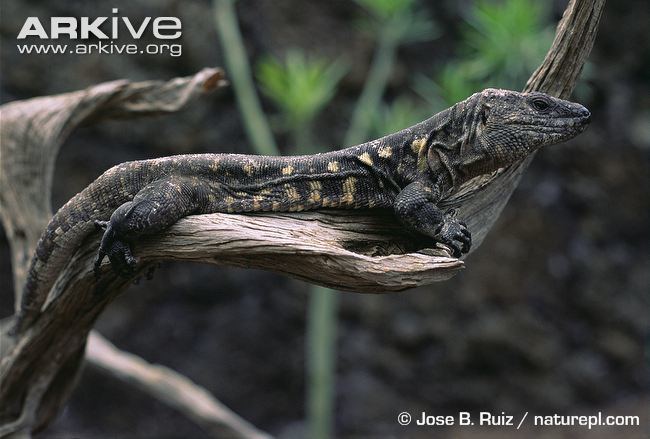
{"type": "Point", "coordinates": [456, 249]}
{"type": "Point", "coordinates": [456, 236]}
{"type": "Point", "coordinates": [123, 262]}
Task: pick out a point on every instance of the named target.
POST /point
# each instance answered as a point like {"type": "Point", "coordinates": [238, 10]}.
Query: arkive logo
{"type": "Point", "coordinates": [163, 28]}
{"type": "Point", "coordinates": [98, 35]}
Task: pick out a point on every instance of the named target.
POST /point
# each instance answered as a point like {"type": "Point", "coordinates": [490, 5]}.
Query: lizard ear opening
{"type": "Point", "coordinates": [485, 113]}
{"type": "Point", "coordinates": [441, 135]}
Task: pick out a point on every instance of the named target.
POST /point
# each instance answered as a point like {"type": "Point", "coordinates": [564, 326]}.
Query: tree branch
{"type": "Point", "coordinates": [173, 389]}
{"type": "Point", "coordinates": [32, 133]}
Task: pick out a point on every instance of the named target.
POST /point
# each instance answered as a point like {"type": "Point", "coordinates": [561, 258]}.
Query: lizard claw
{"type": "Point", "coordinates": [118, 252]}
{"type": "Point", "coordinates": [454, 234]}
{"type": "Point", "coordinates": [122, 260]}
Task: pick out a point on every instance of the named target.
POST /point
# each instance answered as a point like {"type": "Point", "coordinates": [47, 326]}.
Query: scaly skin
{"type": "Point", "coordinates": [410, 171]}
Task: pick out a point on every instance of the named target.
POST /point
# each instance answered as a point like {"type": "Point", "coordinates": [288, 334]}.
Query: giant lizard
{"type": "Point", "coordinates": [410, 171]}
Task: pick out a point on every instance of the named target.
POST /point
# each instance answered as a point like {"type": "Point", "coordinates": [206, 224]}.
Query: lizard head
{"type": "Point", "coordinates": [509, 125]}
{"type": "Point", "coordinates": [495, 128]}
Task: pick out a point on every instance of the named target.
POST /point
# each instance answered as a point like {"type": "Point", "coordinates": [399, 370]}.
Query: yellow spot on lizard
{"type": "Point", "coordinates": [315, 188]}
{"type": "Point", "coordinates": [365, 158]}
{"type": "Point", "coordinates": [249, 168]}
{"type": "Point", "coordinates": [296, 207]}
{"type": "Point", "coordinates": [348, 189]}
{"type": "Point", "coordinates": [257, 202]}
{"type": "Point", "coordinates": [333, 167]}
{"type": "Point", "coordinates": [417, 145]}
{"type": "Point", "coordinates": [385, 152]}
{"type": "Point", "coordinates": [292, 193]}
{"type": "Point", "coordinates": [287, 170]}
{"type": "Point", "coordinates": [229, 203]}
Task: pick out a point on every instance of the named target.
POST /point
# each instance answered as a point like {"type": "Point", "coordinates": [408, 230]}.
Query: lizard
{"type": "Point", "coordinates": [410, 171]}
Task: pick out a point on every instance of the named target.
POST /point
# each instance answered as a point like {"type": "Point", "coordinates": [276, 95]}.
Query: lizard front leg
{"type": "Point", "coordinates": [416, 208]}
{"type": "Point", "coordinates": [156, 207]}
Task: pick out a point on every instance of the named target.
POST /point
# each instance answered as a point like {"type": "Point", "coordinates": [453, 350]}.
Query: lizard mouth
{"type": "Point", "coordinates": [558, 129]}
{"type": "Point", "coordinates": [578, 123]}
{"type": "Point", "coordinates": [572, 124]}
{"type": "Point", "coordinates": [580, 118]}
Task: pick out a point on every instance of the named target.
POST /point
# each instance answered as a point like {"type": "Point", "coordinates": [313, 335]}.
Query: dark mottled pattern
{"type": "Point", "coordinates": [410, 171]}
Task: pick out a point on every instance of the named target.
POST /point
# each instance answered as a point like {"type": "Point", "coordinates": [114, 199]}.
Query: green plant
{"type": "Point", "coordinates": [320, 348]}
{"type": "Point", "coordinates": [454, 83]}
{"type": "Point", "coordinates": [399, 114]}
{"type": "Point", "coordinates": [300, 87]}
{"type": "Point", "coordinates": [502, 42]}
{"type": "Point", "coordinates": [392, 23]}
{"type": "Point", "coordinates": [400, 21]}
{"type": "Point", "coordinates": [239, 72]}
{"type": "Point", "coordinates": [506, 40]}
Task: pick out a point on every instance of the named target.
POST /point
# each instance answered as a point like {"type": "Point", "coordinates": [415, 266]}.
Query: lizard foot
{"type": "Point", "coordinates": [454, 234]}
{"type": "Point", "coordinates": [118, 252]}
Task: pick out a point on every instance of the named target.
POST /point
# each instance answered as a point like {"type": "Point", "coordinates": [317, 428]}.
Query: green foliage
{"type": "Point", "coordinates": [239, 71]}
{"type": "Point", "coordinates": [453, 84]}
{"type": "Point", "coordinates": [299, 86]}
{"type": "Point", "coordinates": [393, 23]}
{"type": "Point", "coordinates": [399, 21]}
{"type": "Point", "coordinates": [507, 38]}
{"type": "Point", "coordinates": [502, 43]}
{"type": "Point", "coordinates": [384, 9]}
{"type": "Point", "coordinates": [401, 113]}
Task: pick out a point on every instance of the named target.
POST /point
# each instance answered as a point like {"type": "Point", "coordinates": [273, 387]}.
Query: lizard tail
{"type": "Point", "coordinates": [65, 232]}
{"type": "Point", "coordinates": [54, 249]}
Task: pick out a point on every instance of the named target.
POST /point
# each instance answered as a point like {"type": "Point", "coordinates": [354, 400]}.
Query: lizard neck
{"type": "Point", "coordinates": [454, 148]}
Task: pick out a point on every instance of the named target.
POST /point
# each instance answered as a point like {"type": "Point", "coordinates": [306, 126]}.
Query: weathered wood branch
{"type": "Point", "coordinates": [349, 251]}
{"type": "Point", "coordinates": [175, 390]}
{"type": "Point", "coordinates": [32, 133]}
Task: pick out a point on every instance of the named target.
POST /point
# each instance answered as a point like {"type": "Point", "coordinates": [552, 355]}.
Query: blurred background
{"type": "Point", "coordinates": [551, 314]}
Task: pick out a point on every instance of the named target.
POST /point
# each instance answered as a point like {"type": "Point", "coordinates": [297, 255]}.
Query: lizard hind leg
{"type": "Point", "coordinates": [156, 207]}
{"type": "Point", "coordinates": [114, 245]}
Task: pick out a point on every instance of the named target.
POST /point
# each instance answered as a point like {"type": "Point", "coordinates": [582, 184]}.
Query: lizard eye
{"type": "Point", "coordinates": [540, 104]}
